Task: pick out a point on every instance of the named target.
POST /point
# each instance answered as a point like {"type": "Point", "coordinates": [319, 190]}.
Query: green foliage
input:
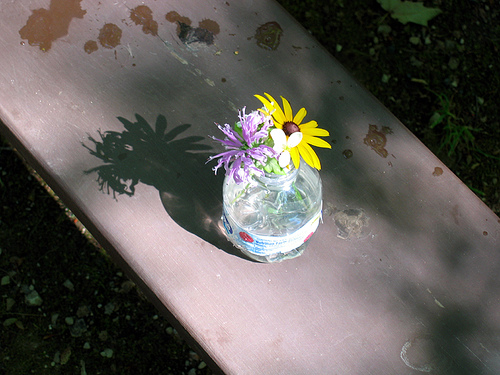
{"type": "Point", "coordinates": [272, 166]}
{"type": "Point", "coordinates": [405, 11]}
{"type": "Point", "coordinates": [454, 133]}
{"type": "Point", "coordinates": [455, 136]}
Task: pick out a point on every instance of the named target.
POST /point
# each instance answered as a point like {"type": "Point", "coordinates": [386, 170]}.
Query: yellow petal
{"type": "Point", "coordinates": [309, 155]}
{"type": "Point", "coordinates": [278, 114]}
{"type": "Point", "coordinates": [310, 124]}
{"type": "Point", "coordinates": [300, 116]}
{"type": "Point", "coordinates": [266, 103]}
{"type": "Point", "coordinates": [294, 153]}
{"type": "Point", "coordinates": [317, 163]}
{"type": "Point", "coordinates": [318, 142]}
{"type": "Point", "coordinates": [288, 109]}
{"type": "Point", "coordinates": [305, 154]}
{"type": "Point", "coordinates": [317, 132]}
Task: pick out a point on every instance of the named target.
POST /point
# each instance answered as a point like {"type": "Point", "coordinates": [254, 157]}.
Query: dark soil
{"type": "Point", "coordinates": [92, 319]}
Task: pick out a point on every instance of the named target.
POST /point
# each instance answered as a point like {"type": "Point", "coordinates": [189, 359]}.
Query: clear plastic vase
{"type": "Point", "coordinates": [272, 217]}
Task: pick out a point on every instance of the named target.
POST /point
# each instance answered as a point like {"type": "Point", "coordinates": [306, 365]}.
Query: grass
{"type": "Point", "coordinates": [455, 134]}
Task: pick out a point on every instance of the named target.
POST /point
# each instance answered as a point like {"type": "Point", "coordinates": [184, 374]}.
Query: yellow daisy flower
{"type": "Point", "coordinates": [284, 119]}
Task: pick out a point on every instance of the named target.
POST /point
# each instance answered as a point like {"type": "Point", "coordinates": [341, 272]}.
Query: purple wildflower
{"type": "Point", "coordinates": [245, 149]}
{"type": "Point", "coordinates": [250, 126]}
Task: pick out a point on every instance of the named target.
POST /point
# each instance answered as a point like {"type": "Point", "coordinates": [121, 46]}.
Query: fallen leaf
{"type": "Point", "coordinates": [19, 324]}
{"type": "Point", "coordinates": [9, 322]}
{"type": "Point", "coordinates": [405, 11]}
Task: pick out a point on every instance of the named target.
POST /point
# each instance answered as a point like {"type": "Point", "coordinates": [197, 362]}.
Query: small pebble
{"type": "Point", "coordinates": [107, 353]}
{"type": "Point", "coordinates": [79, 328]}
{"type": "Point", "coordinates": [194, 356]}
{"type": "Point", "coordinates": [68, 284]}
{"type": "Point", "coordinates": [384, 29]}
{"type": "Point", "coordinates": [65, 355]}
{"type": "Point", "coordinates": [127, 286]}
{"type": "Point", "coordinates": [415, 40]}
{"type": "Point", "coordinates": [416, 62]}
{"type": "Point", "coordinates": [33, 298]}
{"type": "Point", "coordinates": [109, 308]}
{"type": "Point", "coordinates": [83, 311]}
{"type": "Point", "coordinates": [103, 335]}
{"type": "Point", "coordinates": [453, 63]}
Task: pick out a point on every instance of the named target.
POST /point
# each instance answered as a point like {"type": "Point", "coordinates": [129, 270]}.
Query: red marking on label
{"type": "Point", "coordinates": [310, 235]}
{"type": "Point", "coordinates": [245, 237]}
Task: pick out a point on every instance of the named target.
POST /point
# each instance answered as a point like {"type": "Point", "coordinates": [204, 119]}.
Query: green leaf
{"type": "Point", "coordinates": [405, 11]}
{"type": "Point", "coordinates": [9, 322]}
{"type": "Point", "coordinates": [272, 166]}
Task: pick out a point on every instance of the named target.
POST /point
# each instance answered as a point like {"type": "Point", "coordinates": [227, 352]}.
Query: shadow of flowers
{"type": "Point", "coordinates": [173, 165]}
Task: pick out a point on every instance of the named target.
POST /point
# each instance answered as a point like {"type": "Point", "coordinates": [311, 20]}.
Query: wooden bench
{"type": "Point", "coordinates": [401, 277]}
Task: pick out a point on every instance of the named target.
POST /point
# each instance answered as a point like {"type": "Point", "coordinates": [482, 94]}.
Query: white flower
{"type": "Point", "coordinates": [283, 144]}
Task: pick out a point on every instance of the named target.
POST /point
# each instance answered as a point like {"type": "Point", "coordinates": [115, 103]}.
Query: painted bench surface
{"type": "Point", "coordinates": [112, 102]}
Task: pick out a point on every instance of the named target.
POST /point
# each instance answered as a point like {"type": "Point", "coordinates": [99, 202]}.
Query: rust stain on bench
{"type": "Point", "coordinates": [44, 26]}
{"type": "Point", "coordinates": [175, 17]}
{"type": "Point", "coordinates": [377, 139]}
{"type": "Point", "coordinates": [90, 46]}
{"type": "Point", "coordinates": [110, 35]}
{"type": "Point", "coordinates": [143, 15]}
{"type": "Point", "coordinates": [268, 35]}
{"type": "Point", "coordinates": [438, 171]}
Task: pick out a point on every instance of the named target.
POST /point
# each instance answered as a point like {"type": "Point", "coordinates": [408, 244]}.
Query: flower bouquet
{"type": "Point", "coordinates": [271, 201]}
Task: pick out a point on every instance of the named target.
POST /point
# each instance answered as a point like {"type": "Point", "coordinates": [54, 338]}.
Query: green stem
{"type": "Point", "coordinates": [297, 192]}
{"type": "Point", "coordinates": [240, 193]}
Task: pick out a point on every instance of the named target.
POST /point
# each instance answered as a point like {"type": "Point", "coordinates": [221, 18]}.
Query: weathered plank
{"type": "Point", "coordinates": [401, 276]}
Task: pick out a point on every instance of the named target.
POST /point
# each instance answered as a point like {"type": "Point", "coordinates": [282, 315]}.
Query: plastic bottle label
{"type": "Point", "coordinates": [267, 245]}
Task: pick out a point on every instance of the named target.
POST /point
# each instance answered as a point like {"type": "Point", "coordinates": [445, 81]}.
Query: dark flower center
{"type": "Point", "coordinates": [290, 128]}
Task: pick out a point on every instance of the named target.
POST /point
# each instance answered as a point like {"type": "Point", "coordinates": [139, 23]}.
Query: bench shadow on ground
{"type": "Point", "coordinates": [172, 163]}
